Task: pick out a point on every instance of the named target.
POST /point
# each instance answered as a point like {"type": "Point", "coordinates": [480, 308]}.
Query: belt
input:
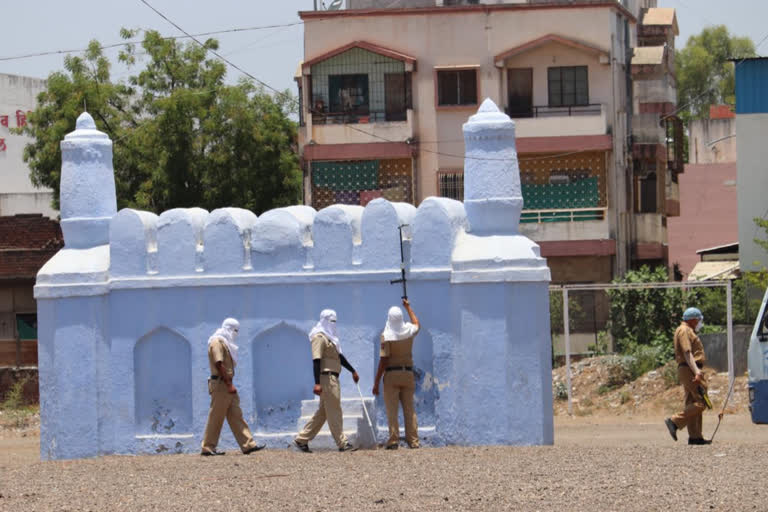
{"type": "Point", "coordinates": [328, 372]}
{"type": "Point", "coordinates": [399, 368]}
{"type": "Point", "coordinates": [699, 364]}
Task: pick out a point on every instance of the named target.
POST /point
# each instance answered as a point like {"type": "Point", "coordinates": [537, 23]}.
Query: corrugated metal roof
{"type": "Point", "coordinates": [664, 16]}
{"type": "Point", "coordinates": [752, 86]}
{"type": "Point", "coordinates": [648, 56]}
{"type": "Point", "coordinates": [707, 270]}
{"type": "Point", "coordinates": [730, 247]}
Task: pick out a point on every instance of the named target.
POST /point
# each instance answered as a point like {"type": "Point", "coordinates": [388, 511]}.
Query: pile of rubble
{"type": "Point", "coordinates": [602, 386]}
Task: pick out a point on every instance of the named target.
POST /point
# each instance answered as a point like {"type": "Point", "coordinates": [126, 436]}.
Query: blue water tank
{"type": "Point", "coordinates": [752, 86]}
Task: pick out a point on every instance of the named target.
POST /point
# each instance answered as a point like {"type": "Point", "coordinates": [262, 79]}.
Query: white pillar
{"type": "Point", "coordinates": [87, 192]}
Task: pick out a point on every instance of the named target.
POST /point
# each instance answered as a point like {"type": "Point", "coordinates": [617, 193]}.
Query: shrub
{"type": "Point", "coordinates": [619, 371]}
{"type": "Point", "coordinates": [14, 399]}
{"type": "Point", "coordinates": [669, 374]}
{"type": "Point", "coordinates": [561, 391]}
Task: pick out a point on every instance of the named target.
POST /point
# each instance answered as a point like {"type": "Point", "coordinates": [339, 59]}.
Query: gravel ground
{"type": "Point", "coordinates": [596, 464]}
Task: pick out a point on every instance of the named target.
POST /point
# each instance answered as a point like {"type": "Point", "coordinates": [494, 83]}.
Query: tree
{"type": "Point", "coordinates": [645, 316]}
{"type": "Point", "coordinates": [705, 76]}
{"type": "Point", "coordinates": [182, 137]}
{"type": "Point", "coordinates": [763, 224]}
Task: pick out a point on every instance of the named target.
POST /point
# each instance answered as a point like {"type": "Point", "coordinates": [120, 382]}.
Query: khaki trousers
{"type": "Point", "coordinates": [694, 404]}
{"type": "Point", "coordinates": [398, 389]}
{"type": "Point", "coordinates": [329, 410]}
{"type": "Point", "coordinates": [225, 405]}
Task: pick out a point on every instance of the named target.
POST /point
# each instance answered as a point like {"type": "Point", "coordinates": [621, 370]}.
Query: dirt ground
{"type": "Point", "coordinates": [614, 453]}
{"type": "Point", "coordinates": [597, 463]}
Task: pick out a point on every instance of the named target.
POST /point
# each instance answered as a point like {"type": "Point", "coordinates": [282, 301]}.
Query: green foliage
{"type": "Point", "coordinates": [600, 348]}
{"type": "Point", "coordinates": [744, 305]}
{"type": "Point", "coordinates": [669, 374]}
{"type": "Point", "coordinates": [182, 137]}
{"type": "Point", "coordinates": [604, 389]}
{"type": "Point", "coordinates": [712, 329]}
{"type": "Point", "coordinates": [556, 319]}
{"type": "Point", "coordinates": [762, 223]}
{"type": "Point", "coordinates": [705, 76]}
{"type": "Point", "coordinates": [561, 391]}
{"type": "Point", "coordinates": [14, 398]}
{"type": "Point", "coordinates": [645, 316]}
{"type": "Point", "coordinates": [645, 358]}
{"type": "Point", "coordinates": [619, 372]}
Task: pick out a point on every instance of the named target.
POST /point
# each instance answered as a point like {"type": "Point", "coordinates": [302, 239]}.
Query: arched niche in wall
{"type": "Point", "coordinates": [162, 376]}
{"type": "Point", "coordinates": [282, 377]}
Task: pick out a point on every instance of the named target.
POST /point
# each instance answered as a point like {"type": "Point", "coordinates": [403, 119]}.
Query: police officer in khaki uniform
{"type": "Point", "coordinates": [327, 360]}
{"type": "Point", "coordinates": [396, 364]}
{"type": "Point", "coordinates": [222, 358]}
{"type": "Point", "coordinates": [690, 358]}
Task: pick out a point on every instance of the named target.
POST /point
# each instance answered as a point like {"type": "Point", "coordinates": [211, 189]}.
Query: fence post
{"type": "Point", "coordinates": [566, 329]}
{"type": "Point", "coordinates": [729, 301]}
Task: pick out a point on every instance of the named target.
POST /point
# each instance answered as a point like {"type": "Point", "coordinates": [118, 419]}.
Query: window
{"type": "Point", "coordinates": [348, 93]}
{"type": "Point", "coordinates": [568, 86]}
{"type": "Point", "coordinates": [457, 87]}
{"type": "Point", "coordinates": [520, 92]}
{"type": "Point", "coordinates": [450, 184]}
{"type": "Point", "coordinates": [648, 193]}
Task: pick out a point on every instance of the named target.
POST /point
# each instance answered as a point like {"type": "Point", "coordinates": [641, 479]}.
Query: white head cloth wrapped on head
{"type": "Point", "coordinates": [396, 328]}
{"type": "Point", "coordinates": [228, 332]}
{"type": "Point", "coordinates": [327, 326]}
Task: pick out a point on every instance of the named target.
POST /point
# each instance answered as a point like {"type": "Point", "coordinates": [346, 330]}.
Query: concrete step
{"type": "Point", "coordinates": [350, 422]}
{"type": "Point", "coordinates": [355, 424]}
{"type": "Point", "coordinates": [348, 405]}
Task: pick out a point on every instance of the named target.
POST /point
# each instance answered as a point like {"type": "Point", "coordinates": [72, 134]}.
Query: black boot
{"type": "Point", "coordinates": [671, 427]}
{"type": "Point", "coordinates": [699, 440]}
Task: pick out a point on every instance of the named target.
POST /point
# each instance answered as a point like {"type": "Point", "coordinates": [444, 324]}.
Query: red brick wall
{"type": "Point", "coordinates": [26, 243]}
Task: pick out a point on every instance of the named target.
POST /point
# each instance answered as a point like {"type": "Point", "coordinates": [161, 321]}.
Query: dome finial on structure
{"type": "Point", "coordinates": [87, 191]}
{"type": "Point", "coordinates": [492, 193]}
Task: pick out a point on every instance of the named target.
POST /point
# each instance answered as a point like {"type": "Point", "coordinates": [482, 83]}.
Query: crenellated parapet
{"type": "Point", "coordinates": [193, 242]}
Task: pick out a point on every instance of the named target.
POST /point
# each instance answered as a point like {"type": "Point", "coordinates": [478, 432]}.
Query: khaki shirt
{"type": "Point", "coordinates": [687, 340]}
{"type": "Point", "coordinates": [324, 350]}
{"type": "Point", "coordinates": [400, 352]}
{"type": "Point", "coordinates": [218, 353]}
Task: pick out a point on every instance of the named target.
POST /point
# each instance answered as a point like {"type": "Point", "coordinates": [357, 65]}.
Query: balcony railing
{"type": "Point", "coordinates": [358, 118]}
{"type": "Point", "coordinates": [547, 111]}
{"type": "Point", "coordinates": [572, 215]}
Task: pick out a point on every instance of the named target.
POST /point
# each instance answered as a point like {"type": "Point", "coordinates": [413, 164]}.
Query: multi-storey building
{"type": "Point", "coordinates": [17, 193]}
{"type": "Point", "coordinates": [385, 87]}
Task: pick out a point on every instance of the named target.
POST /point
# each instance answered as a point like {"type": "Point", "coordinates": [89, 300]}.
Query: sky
{"type": "Point", "coordinates": [271, 55]}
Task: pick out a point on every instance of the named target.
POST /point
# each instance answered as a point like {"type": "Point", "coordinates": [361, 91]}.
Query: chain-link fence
{"type": "Point", "coordinates": [639, 319]}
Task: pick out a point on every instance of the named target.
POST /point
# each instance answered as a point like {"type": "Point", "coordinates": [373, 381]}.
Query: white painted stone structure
{"type": "Point", "coordinates": [126, 308]}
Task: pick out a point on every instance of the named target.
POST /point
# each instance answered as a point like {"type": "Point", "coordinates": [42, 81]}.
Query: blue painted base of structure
{"type": "Point", "coordinates": [758, 401]}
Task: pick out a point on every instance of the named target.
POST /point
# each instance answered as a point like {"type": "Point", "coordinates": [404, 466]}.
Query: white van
{"type": "Point", "coordinates": [757, 361]}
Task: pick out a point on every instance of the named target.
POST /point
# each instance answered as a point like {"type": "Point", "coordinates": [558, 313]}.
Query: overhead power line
{"type": "Point", "coordinates": [116, 45]}
{"type": "Point", "coordinates": [218, 55]}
